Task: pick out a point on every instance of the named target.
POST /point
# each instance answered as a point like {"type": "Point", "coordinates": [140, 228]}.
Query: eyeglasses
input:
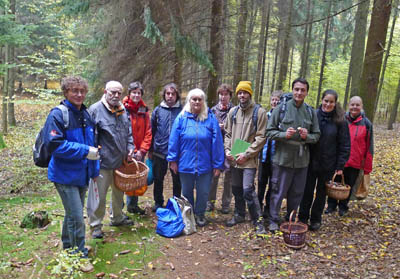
{"type": "Point", "coordinates": [78, 90]}
{"type": "Point", "coordinates": [114, 93]}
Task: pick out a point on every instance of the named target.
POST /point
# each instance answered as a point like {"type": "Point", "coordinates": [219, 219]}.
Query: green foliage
{"type": "Point", "coordinates": [74, 7]}
{"type": "Point", "coordinates": [67, 265]}
{"type": "Point", "coordinates": [189, 48]}
{"type": "Point", "coordinates": [151, 31]}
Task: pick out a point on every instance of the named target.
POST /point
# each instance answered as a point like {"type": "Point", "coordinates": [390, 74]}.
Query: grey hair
{"type": "Point", "coordinates": [204, 109]}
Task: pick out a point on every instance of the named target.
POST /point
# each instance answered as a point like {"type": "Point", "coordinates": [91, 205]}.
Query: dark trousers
{"type": "Point", "coordinates": [244, 192]}
{"type": "Point", "coordinates": [264, 175]}
{"type": "Point", "coordinates": [160, 167]}
{"type": "Point", "coordinates": [350, 177]}
{"type": "Point", "coordinates": [315, 181]}
{"type": "Point", "coordinates": [289, 183]}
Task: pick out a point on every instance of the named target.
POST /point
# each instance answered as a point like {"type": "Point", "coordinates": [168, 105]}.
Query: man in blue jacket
{"type": "Point", "coordinates": [74, 159]}
{"type": "Point", "coordinates": [115, 138]}
{"type": "Point", "coordinates": [162, 118]}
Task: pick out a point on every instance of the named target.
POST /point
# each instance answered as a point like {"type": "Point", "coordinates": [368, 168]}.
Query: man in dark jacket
{"type": "Point", "coordinates": [74, 159]}
{"type": "Point", "coordinates": [116, 141]}
{"type": "Point", "coordinates": [162, 118]}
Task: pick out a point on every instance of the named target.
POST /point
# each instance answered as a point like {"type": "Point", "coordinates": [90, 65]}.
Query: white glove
{"type": "Point", "coordinates": [93, 153]}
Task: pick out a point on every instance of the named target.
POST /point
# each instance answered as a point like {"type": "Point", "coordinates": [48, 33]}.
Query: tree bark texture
{"type": "Point", "coordinates": [287, 10]}
{"type": "Point", "coordinates": [275, 62]}
{"type": "Point", "coordinates": [360, 31]}
{"type": "Point", "coordinates": [240, 44]}
{"type": "Point", "coordinates": [215, 49]}
{"type": "Point", "coordinates": [323, 62]}
{"type": "Point", "coordinates": [387, 53]}
{"type": "Point", "coordinates": [265, 51]}
{"type": "Point", "coordinates": [305, 40]}
{"type": "Point", "coordinates": [261, 47]}
{"type": "Point", "coordinates": [11, 78]}
{"type": "Point", "coordinates": [374, 55]}
{"type": "Point", "coordinates": [253, 17]}
{"type": "Point", "coordinates": [393, 113]}
{"type": "Point", "coordinates": [5, 92]}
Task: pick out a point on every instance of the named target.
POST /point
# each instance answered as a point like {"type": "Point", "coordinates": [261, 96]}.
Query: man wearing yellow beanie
{"type": "Point", "coordinates": [246, 122]}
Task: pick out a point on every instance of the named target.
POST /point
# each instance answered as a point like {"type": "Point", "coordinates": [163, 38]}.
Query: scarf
{"type": "Point", "coordinates": [132, 107]}
{"type": "Point", "coordinates": [118, 110]}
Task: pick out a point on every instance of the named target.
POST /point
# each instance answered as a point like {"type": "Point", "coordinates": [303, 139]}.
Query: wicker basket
{"type": "Point", "coordinates": [294, 234]}
{"type": "Point", "coordinates": [337, 190]}
{"type": "Point", "coordinates": [131, 176]}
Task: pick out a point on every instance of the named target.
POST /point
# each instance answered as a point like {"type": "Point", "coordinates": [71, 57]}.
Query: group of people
{"type": "Point", "coordinates": [295, 148]}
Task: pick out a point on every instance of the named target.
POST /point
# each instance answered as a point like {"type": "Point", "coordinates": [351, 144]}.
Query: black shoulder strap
{"type": "Point", "coordinates": [255, 115]}
{"type": "Point", "coordinates": [235, 110]}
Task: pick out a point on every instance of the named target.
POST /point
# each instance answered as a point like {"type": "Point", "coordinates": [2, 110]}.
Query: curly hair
{"type": "Point", "coordinates": [226, 87]}
{"type": "Point", "coordinates": [69, 82]}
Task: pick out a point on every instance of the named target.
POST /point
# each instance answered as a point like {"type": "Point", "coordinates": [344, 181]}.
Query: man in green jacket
{"type": "Point", "coordinates": [247, 122]}
{"type": "Point", "coordinates": [293, 125]}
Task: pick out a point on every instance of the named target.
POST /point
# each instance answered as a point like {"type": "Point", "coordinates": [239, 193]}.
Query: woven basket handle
{"type": "Point", "coordinates": [334, 176]}
{"type": "Point", "coordinates": [126, 163]}
{"type": "Point", "coordinates": [290, 220]}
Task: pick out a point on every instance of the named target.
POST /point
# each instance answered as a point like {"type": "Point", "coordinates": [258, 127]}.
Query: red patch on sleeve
{"type": "Point", "coordinates": [53, 133]}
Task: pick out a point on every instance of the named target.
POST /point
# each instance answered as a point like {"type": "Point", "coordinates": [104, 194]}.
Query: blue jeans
{"type": "Point", "coordinates": [73, 230]}
{"type": "Point", "coordinates": [202, 182]}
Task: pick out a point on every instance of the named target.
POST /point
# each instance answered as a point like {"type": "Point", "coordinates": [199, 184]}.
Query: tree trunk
{"type": "Point", "coordinates": [308, 46]}
{"type": "Point", "coordinates": [374, 54]}
{"type": "Point", "coordinates": [285, 48]}
{"type": "Point", "coordinates": [240, 43]}
{"type": "Point", "coordinates": [290, 68]}
{"type": "Point", "coordinates": [265, 49]}
{"type": "Point", "coordinates": [261, 50]}
{"type": "Point", "coordinates": [305, 40]}
{"type": "Point", "coordinates": [387, 54]}
{"type": "Point", "coordinates": [275, 62]}
{"type": "Point", "coordinates": [178, 54]}
{"type": "Point", "coordinates": [215, 49]}
{"type": "Point", "coordinates": [11, 78]}
{"type": "Point", "coordinates": [360, 31]}
{"type": "Point", "coordinates": [323, 62]}
{"type": "Point", "coordinates": [5, 91]}
{"type": "Point", "coordinates": [346, 92]}
{"type": "Point", "coordinates": [393, 113]}
{"type": "Point", "coordinates": [249, 33]}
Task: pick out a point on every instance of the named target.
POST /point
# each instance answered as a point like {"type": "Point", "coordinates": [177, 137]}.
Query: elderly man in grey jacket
{"type": "Point", "coordinates": [114, 135]}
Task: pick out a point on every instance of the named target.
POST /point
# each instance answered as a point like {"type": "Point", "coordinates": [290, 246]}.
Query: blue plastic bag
{"type": "Point", "coordinates": [150, 178]}
{"type": "Point", "coordinates": [170, 221]}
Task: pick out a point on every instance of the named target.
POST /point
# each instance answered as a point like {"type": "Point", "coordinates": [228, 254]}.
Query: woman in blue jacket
{"type": "Point", "coordinates": [196, 150]}
{"type": "Point", "coordinates": [74, 159]}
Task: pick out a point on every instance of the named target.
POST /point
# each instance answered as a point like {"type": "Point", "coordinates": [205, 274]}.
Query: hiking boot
{"type": "Point", "coordinates": [225, 210]}
{"type": "Point", "coordinates": [210, 206]}
{"type": "Point", "coordinates": [314, 226]}
{"type": "Point", "coordinates": [201, 221]}
{"type": "Point", "coordinates": [125, 222]}
{"type": "Point", "coordinates": [330, 210]}
{"type": "Point", "coordinates": [136, 209]}
{"type": "Point", "coordinates": [343, 211]}
{"type": "Point", "coordinates": [236, 219]}
{"type": "Point", "coordinates": [86, 267]}
{"type": "Point", "coordinates": [155, 207]}
{"type": "Point", "coordinates": [273, 227]}
{"type": "Point", "coordinates": [97, 233]}
{"type": "Point", "coordinates": [260, 230]}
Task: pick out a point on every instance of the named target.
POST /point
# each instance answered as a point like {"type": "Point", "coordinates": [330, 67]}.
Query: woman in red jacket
{"type": "Point", "coordinates": [361, 151]}
{"type": "Point", "coordinates": [141, 131]}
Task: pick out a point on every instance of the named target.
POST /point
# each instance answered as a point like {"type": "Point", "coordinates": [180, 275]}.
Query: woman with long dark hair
{"type": "Point", "coordinates": [328, 156]}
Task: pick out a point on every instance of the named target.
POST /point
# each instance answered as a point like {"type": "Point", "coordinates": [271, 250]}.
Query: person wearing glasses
{"type": "Point", "coordinates": [74, 159]}
{"type": "Point", "coordinates": [195, 150]}
{"type": "Point", "coordinates": [114, 135]}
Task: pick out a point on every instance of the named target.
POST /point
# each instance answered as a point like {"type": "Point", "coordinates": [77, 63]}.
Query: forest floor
{"type": "Point", "coordinates": [363, 244]}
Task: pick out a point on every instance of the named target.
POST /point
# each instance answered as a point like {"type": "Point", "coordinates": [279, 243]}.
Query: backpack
{"type": "Point", "coordinates": [282, 111]}
{"type": "Point", "coordinates": [254, 117]}
{"type": "Point", "coordinates": [41, 154]}
{"type": "Point", "coordinates": [170, 221]}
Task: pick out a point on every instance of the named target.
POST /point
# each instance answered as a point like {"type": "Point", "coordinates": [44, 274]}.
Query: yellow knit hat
{"type": "Point", "coordinates": [245, 86]}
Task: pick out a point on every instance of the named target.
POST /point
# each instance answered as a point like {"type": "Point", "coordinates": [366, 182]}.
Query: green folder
{"type": "Point", "coordinates": [239, 146]}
